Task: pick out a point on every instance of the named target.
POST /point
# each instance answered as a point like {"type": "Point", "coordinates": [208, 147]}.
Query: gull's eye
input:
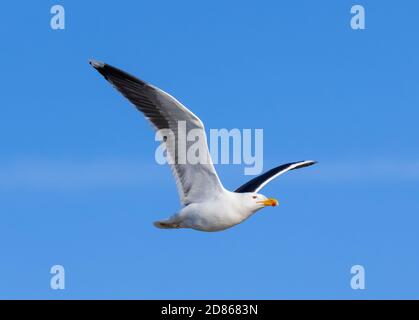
{"type": "Point", "coordinates": [254, 197]}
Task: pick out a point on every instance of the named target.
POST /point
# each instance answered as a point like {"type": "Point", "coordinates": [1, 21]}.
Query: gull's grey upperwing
{"type": "Point", "coordinates": [195, 182]}
{"type": "Point", "coordinates": [260, 181]}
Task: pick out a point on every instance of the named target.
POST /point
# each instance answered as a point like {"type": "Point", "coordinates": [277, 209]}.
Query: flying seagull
{"type": "Point", "coordinates": [207, 205]}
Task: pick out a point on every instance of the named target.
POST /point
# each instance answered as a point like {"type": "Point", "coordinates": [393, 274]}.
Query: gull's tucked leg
{"type": "Point", "coordinates": [166, 225]}
{"type": "Point", "coordinates": [171, 223]}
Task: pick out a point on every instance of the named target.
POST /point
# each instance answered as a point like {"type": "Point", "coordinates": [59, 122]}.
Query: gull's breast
{"type": "Point", "coordinates": [211, 216]}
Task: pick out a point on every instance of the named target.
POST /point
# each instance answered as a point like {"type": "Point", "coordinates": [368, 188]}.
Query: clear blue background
{"type": "Point", "coordinates": [79, 185]}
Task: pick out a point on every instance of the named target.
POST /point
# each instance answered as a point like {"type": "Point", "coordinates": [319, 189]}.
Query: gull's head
{"type": "Point", "coordinates": [258, 201]}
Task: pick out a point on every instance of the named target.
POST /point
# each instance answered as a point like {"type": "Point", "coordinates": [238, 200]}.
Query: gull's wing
{"type": "Point", "coordinates": [195, 182]}
{"type": "Point", "coordinates": [259, 182]}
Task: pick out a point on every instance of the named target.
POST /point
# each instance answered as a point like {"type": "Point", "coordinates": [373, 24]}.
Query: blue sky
{"type": "Point", "coordinates": [79, 185]}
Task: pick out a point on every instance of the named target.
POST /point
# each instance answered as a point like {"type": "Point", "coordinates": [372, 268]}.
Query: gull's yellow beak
{"type": "Point", "coordinates": [269, 202]}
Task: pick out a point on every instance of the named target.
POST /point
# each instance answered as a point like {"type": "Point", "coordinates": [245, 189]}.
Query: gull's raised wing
{"type": "Point", "coordinates": [195, 182]}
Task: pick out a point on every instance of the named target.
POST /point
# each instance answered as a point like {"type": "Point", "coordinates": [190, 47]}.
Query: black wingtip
{"type": "Point", "coordinates": [305, 163]}
{"type": "Point", "coordinates": [96, 64]}
{"type": "Point", "coordinates": [110, 72]}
